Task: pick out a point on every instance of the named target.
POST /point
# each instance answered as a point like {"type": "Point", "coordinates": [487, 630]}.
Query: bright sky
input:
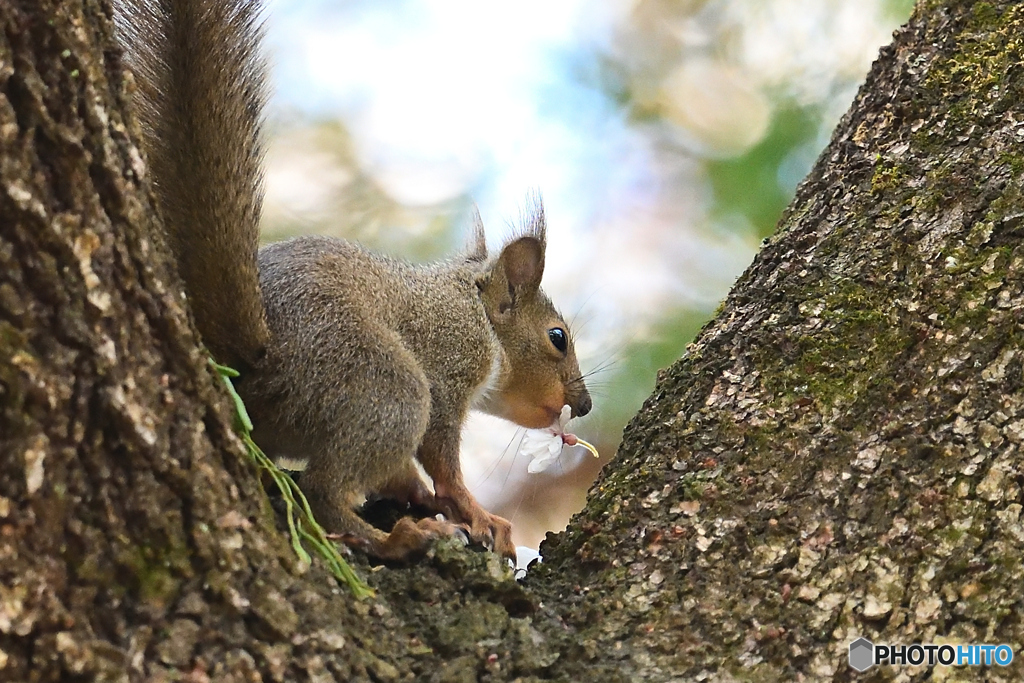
{"type": "Point", "coordinates": [460, 86]}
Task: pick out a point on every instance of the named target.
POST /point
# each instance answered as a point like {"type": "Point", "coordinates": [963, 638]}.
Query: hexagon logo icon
{"type": "Point", "coordinates": [862, 654]}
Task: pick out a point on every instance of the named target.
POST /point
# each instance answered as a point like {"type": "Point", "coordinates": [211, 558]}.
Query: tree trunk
{"type": "Point", "coordinates": [838, 453]}
{"type": "Point", "coordinates": [836, 456]}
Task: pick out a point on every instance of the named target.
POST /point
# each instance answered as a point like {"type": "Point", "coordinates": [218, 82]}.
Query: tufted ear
{"type": "Point", "coordinates": [522, 258]}
{"type": "Point", "coordinates": [517, 271]}
{"type": "Point", "coordinates": [478, 245]}
{"type": "Point", "coordinates": [512, 277]}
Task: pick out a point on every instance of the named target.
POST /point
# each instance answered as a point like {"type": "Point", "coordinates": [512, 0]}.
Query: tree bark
{"type": "Point", "coordinates": [836, 456]}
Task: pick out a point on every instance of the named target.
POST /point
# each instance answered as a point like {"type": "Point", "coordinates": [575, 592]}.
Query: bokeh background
{"type": "Point", "coordinates": [666, 137]}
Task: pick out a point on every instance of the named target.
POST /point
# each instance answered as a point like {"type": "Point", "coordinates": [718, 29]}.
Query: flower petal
{"type": "Point", "coordinates": [541, 464]}
{"type": "Point", "coordinates": [564, 417]}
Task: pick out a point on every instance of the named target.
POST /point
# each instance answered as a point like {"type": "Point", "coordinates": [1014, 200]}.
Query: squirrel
{"type": "Point", "coordinates": [354, 361]}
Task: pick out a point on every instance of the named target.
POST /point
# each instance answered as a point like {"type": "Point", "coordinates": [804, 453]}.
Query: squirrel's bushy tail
{"type": "Point", "coordinates": [201, 90]}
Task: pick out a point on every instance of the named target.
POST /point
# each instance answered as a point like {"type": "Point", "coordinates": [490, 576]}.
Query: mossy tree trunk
{"type": "Point", "coordinates": [836, 456]}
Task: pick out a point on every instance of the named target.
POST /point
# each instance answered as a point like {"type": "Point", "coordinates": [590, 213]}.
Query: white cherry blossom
{"type": "Point", "coordinates": [544, 446]}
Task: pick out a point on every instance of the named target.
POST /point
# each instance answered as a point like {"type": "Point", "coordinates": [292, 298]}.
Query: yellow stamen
{"type": "Point", "coordinates": [589, 447]}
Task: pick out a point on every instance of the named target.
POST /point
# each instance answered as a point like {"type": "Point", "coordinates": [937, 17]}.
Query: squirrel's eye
{"type": "Point", "coordinates": [558, 338]}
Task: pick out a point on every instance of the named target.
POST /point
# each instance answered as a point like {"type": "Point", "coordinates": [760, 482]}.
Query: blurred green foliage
{"type": "Point", "coordinates": [746, 193]}
{"type": "Point", "coordinates": [899, 10]}
{"type": "Point", "coordinates": [751, 184]}
{"type": "Point", "coordinates": [636, 371]}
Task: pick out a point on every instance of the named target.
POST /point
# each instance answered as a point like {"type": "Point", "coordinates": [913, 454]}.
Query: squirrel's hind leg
{"type": "Point", "coordinates": [409, 539]}
{"type": "Point", "coordinates": [376, 414]}
{"type": "Point", "coordinates": [408, 487]}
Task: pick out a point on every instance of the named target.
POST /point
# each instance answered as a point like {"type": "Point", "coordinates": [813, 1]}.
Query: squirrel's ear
{"type": "Point", "coordinates": [522, 263]}
{"type": "Point", "coordinates": [478, 247]}
{"type": "Point", "coordinates": [522, 260]}
{"type": "Point", "coordinates": [515, 273]}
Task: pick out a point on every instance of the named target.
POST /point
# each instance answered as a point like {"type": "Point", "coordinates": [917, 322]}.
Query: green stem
{"type": "Point", "coordinates": [301, 523]}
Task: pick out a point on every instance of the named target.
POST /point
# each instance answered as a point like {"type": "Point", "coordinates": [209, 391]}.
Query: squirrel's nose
{"type": "Point", "coordinates": [583, 405]}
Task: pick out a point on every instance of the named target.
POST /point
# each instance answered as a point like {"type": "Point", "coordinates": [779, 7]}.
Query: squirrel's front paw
{"type": "Point", "coordinates": [493, 532]}
{"type": "Point", "coordinates": [490, 531]}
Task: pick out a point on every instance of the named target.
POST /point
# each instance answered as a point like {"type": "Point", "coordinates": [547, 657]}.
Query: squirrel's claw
{"type": "Point", "coordinates": [495, 533]}
{"type": "Point", "coordinates": [462, 533]}
{"type": "Point", "coordinates": [491, 531]}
